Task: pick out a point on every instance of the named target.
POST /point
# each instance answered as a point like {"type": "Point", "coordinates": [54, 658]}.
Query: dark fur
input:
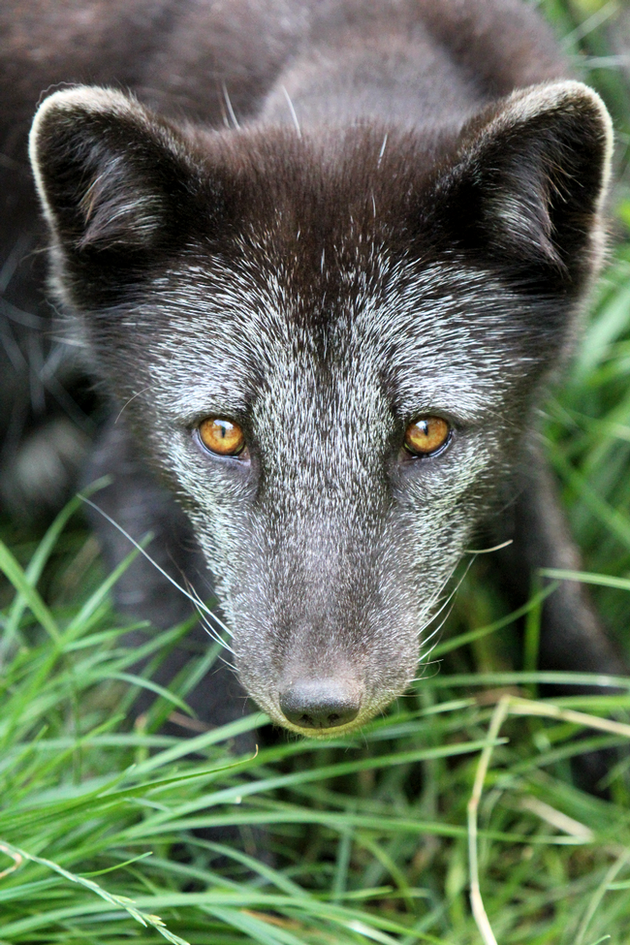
{"type": "Point", "coordinates": [233, 272]}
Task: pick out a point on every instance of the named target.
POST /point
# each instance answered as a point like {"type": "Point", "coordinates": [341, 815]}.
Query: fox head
{"type": "Point", "coordinates": [330, 346]}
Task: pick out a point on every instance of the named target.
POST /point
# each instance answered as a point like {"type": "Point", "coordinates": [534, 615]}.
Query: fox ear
{"type": "Point", "coordinates": [111, 176]}
{"type": "Point", "coordinates": [530, 179]}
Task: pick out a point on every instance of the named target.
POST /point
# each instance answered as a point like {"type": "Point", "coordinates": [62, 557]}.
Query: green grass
{"type": "Point", "coordinates": [106, 823]}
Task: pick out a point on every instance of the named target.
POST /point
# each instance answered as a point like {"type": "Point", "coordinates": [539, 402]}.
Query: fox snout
{"type": "Point", "coordinates": [324, 648]}
{"type": "Point", "coordinates": [320, 702]}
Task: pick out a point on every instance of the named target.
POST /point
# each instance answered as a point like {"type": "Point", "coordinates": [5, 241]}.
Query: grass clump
{"type": "Point", "coordinates": [111, 831]}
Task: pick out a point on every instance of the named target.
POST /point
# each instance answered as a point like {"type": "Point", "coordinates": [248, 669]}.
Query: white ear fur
{"type": "Point", "coordinates": [526, 104]}
{"type": "Point", "coordinates": [531, 178]}
{"type": "Point", "coordinates": [110, 174]}
{"type": "Point", "coordinates": [63, 105]}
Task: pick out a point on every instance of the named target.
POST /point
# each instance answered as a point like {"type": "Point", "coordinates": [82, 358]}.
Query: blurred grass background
{"type": "Point", "coordinates": [106, 824]}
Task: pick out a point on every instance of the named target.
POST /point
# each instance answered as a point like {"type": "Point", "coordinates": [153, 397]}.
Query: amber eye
{"type": "Point", "coordinates": [427, 435]}
{"type": "Point", "coordinates": [222, 436]}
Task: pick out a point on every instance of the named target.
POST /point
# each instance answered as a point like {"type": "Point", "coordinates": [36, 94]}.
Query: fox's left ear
{"type": "Point", "coordinates": [528, 184]}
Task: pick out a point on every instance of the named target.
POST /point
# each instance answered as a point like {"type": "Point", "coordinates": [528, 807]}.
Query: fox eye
{"type": "Point", "coordinates": [427, 435]}
{"type": "Point", "coordinates": [222, 436]}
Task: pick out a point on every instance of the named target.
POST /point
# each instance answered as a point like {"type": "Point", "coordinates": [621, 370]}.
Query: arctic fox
{"type": "Point", "coordinates": [325, 262]}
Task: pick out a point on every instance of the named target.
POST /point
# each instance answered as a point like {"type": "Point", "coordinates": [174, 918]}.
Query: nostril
{"type": "Point", "coordinates": [320, 703]}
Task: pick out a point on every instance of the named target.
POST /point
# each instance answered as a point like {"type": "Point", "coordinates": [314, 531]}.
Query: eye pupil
{"type": "Point", "coordinates": [427, 435]}
{"type": "Point", "coordinates": [222, 436]}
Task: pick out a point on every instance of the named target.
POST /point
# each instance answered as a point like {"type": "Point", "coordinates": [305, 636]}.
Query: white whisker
{"type": "Point", "coordinates": [228, 104]}
{"type": "Point", "coordinates": [126, 404]}
{"type": "Point", "coordinates": [486, 551]}
{"type": "Point", "coordinates": [424, 675]}
{"type": "Point", "coordinates": [195, 600]}
{"type": "Point", "coordinates": [223, 626]}
{"type": "Point", "coordinates": [294, 116]}
{"type": "Point", "coordinates": [447, 606]}
{"type": "Point", "coordinates": [448, 598]}
{"type": "Point", "coordinates": [212, 631]}
{"type": "Point", "coordinates": [382, 151]}
{"type": "Point", "coordinates": [206, 617]}
{"type": "Point", "coordinates": [436, 630]}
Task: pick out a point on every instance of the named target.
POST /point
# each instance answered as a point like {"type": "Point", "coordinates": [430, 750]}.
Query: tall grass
{"type": "Point", "coordinates": [113, 832]}
{"type": "Point", "coordinates": [106, 825]}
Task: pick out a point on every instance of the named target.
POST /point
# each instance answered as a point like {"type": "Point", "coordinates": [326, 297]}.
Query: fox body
{"type": "Point", "coordinates": [322, 227]}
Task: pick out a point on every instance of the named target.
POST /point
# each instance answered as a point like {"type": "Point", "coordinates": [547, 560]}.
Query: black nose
{"type": "Point", "coordinates": [320, 703]}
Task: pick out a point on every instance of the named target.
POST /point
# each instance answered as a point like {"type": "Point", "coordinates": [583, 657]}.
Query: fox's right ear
{"type": "Point", "coordinates": [117, 184]}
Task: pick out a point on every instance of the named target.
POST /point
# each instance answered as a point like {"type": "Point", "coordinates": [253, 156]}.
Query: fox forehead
{"type": "Point", "coordinates": [435, 337]}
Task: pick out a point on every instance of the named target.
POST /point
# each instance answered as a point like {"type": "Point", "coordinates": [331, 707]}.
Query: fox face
{"type": "Point", "coordinates": [330, 344]}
